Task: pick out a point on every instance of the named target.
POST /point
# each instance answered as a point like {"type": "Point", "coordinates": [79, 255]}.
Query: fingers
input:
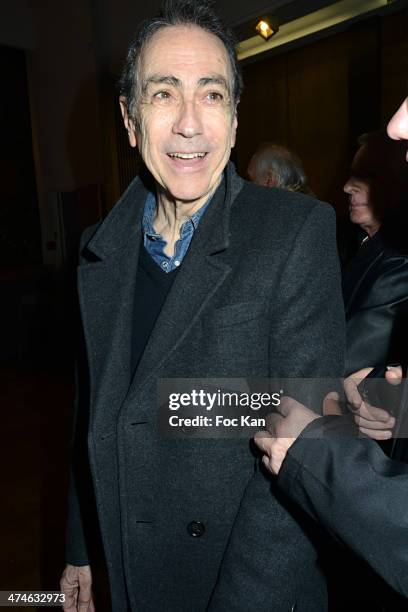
{"type": "Point", "coordinates": [70, 600]}
{"type": "Point", "coordinates": [76, 584]}
{"type": "Point", "coordinates": [376, 417]}
{"type": "Point", "coordinates": [376, 434]}
{"type": "Point", "coordinates": [331, 404]}
{"type": "Point", "coordinates": [288, 404]}
{"type": "Point", "coordinates": [85, 605]}
{"type": "Point", "coordinates": [375, 426]}
{"type": "Point", "coordinates": [394, 375]}
{"type": "Point", "coordinates": [69, 587]}
{"type": "Point", "coordinates": [350, 386]}
{"type": "Point", "coordinates": [85, 600]}
{"type": "Point", "coordinates": [281, 433]}
{"type": "Point", "coordinates": [374, 422]}
{"type": "Point", "coordinates": [266, 461]}
{"type": "Point", "coordinates": [275, 450]}
{"type": "Point", "coordinates": [85, 589]}
{"type": "Point", "coordinates": [360, 374]}
{"type": "Point", "coordinates": [272, 421]}
{"type": "Point", "coordinates": [262, 440]}
{"type": "Point", "coordinates": [293, 419]}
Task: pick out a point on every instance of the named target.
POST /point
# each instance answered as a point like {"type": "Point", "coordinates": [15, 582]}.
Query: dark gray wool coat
{"type": "Point", "coordinates": [258, 295]}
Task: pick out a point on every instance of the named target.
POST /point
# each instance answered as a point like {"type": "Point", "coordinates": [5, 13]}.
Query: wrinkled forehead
{"type": "Point", "coordinates": [186, 52]}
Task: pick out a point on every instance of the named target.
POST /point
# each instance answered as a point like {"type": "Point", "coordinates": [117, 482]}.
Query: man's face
{"type": "Point", "coordinates": [361, 212]}
{"type": "Point", "coordinates": [187, 124]}
{"type": "Point", "coordinates": [398, 126]}
{"type": "Point", "coordinates": [361, 207]}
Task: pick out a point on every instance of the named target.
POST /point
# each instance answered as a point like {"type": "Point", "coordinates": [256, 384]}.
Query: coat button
{"type": "Point", "coordinates": [196, 529]}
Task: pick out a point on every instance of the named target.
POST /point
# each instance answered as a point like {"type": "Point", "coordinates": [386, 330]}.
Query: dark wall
{"type": "Point", "coordinates": [20, 237]}
{"type": "Point", "coordinates": [394, 63]}
{"type": "Point", "coordinates": [319, 98]}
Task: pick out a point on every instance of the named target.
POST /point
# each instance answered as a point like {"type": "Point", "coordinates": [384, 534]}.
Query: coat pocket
{"type": "Point", "coordinates": [233, 314]}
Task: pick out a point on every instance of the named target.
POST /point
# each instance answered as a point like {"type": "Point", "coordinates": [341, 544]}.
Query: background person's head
{"type": "Point", "coordinates": [378, 185]}
{"type": "Point", "coordinates": [273, 165]}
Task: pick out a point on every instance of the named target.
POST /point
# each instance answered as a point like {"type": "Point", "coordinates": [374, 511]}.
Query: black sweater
{"type": "Point", "coordinates": [152, 287]}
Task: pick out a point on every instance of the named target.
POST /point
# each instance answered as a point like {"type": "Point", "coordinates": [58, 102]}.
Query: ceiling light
{"type": "Point", "coordinates": [266, 27]}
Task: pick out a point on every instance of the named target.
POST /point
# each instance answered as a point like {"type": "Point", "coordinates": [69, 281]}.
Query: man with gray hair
{"type": "Point", "coordinates": [193, 275]}
{"type": "Point", "coordinates": [273, 165]}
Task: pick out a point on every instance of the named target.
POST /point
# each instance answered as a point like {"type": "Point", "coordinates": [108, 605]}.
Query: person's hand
{"type": "Point", "coordinates": [282, 431]}
{"type": "Point", "coordinates": [76, 584]}
{"type": "Point", "coordinates": [372, 421]}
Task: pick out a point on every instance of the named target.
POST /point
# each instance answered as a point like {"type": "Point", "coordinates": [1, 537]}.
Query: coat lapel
{"type": "Point", "coordinates": [359, 268]}
{"type": "Point", "coordinates": [106, 293]}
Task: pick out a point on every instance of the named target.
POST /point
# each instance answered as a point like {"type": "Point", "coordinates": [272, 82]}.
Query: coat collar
{"type": "Point", "coordinates": [359, 267]}
{"type": "Point", "coordinates": [124, 221]}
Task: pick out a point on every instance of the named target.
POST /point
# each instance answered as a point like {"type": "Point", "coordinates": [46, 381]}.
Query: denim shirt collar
{"type": "Point", "coordinates": [154, 242]}
{"type": "Point", "coordinates": [150, 211]}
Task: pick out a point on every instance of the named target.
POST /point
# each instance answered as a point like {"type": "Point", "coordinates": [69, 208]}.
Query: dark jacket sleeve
{"type": "Point", "coordinates": [268, 538]}
{"type": "Point", "coordinates": [351, 488]}
{"type": "Point", "coordinates": [76, 549]}
{"type": "Point", "coordinates": [377, 330]}
{"type": "Point", "coordinates": [82, 531]}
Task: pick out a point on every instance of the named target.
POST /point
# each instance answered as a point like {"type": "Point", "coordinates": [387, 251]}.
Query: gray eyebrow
{"type": "Point", "coordinates": [175, 82]}
{"type": "Point", "coordinates": [213, 80]}
{"type": "Point", "coordinates": [161, 80]}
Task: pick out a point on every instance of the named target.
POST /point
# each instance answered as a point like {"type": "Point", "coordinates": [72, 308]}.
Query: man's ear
{"type": "Point", "coordinates": [129, 123]}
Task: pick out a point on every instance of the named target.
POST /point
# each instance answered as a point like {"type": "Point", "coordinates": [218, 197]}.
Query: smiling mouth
{"type": "Point", "coordinates": [187, 155]}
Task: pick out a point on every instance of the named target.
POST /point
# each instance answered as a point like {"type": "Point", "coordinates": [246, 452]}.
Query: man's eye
{"type": "Point", "coordinates": [215, 96]}
{"type": "Point", "coordinates": [162, 95]}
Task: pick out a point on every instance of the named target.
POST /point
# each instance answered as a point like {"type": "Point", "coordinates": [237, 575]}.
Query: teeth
{"type": "Point", "coordinates": [186, 155]}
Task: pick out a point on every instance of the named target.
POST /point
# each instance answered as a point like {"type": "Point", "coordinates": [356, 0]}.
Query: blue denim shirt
{"type": "Point", "coordinates": [155, 244]}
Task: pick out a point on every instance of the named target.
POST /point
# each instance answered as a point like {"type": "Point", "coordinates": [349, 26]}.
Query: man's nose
{"type": "Point", "coordinates": [398, 126]}
{"type": "Point", "coordinates": [348, 188]}
{"type": "Point", "coordinates": [188, 122]}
